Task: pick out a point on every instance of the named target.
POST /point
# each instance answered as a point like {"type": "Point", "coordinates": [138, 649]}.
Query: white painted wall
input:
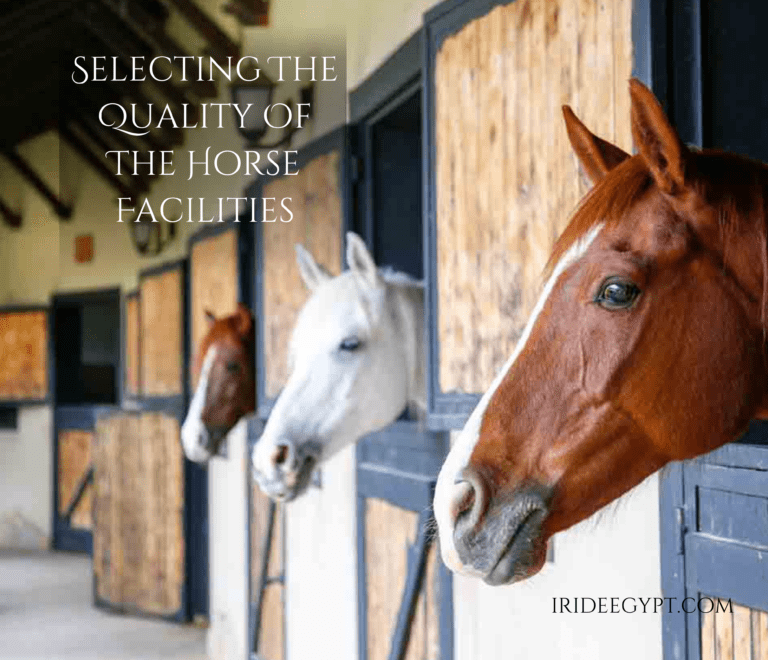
{"type": "Point", "coordinates": [615, 553]}
{"type": "Point", "coordinates": [321, 566]}
{"type": "Point", "coordinates": [26, 481]}
{"type": "Point", "coordinates": [228, 566]}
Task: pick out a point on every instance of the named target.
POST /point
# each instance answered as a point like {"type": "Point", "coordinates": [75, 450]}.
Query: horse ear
{"type": "Point", "coordinates": [311, 272]}
{"type": "Point", "coordinates": [596, 156]}
{"type": "Point", "coordinates": [209, 316]}
{"type": "Point", "coordinates": [658, 143]}
{"type": "Point", "coordinates": [360, 261]}
{"type": "Point", "coordinates": [244, 320]}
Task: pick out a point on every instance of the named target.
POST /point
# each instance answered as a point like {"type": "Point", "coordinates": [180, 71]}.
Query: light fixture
{"type": "Point", "coordinates": [148, 237]}
{"type": "Point", "coordinates": [259, 94]}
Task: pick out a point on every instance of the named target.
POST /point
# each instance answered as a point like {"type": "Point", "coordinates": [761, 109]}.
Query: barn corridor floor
{"type": "Point", "coordinates": [46, 613]}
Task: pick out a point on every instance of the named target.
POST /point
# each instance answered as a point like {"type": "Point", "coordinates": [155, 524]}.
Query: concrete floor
{"type": "Point", "coordinates": [46, 613]}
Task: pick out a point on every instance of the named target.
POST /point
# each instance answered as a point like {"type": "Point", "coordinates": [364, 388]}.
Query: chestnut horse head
{"type": "Point", "coordinates": [225, 388]}
{"type": "Point", "coordinates": [646, 346]}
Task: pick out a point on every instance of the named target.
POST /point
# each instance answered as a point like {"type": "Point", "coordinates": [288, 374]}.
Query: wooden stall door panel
{"type": "Point", "coordinates": [272, 626]}
{"type": "Point", "coordinates": [389, 531]}
{"type": "Point", "coordinates": [316, 224]}
{"type": "Point", "coordinates": [132, 346]}
{"type": "Point", "coordinates": [213, 283]}
{"type": "Point", "coordinates": [733, 633]}
{"type": "Point", "coordinates": [74, 461]}
{"type": "Point", "coordinates": [23, 355]}
{"type": "Point", "coordinates": [506, 179]}
{"type": "Point", "coordinates": [139, 535]}
{"type": "Point", "coordinates": [161, 333]}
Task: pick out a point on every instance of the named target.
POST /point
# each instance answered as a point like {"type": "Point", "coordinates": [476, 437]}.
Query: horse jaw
{"type": "Point", "coordinates": [194, 436]}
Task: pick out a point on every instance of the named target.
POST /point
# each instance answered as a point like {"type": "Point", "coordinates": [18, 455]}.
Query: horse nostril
{"type": "Point", "coordinates": [470, 499]}
{"type": "Point", "coordinates": [280, 455]}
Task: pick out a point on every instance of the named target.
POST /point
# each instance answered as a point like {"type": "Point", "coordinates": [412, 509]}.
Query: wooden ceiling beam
{"type": "Point", "coordinates": [166, 46]}
{"type": "Point", "coordinates": [96, 162]}
{"type": "Point", "coordinates": [217, 39]}
{"type": "Point", "coordinates": [32, 18]}
{"type": "Point", "coordinates": [123, 51]}
{"type": "Point", "coordinates": [100, 140]}
{"type": "Point", "coordinates": [10, 217]}
{"type": "Point", "coordinates": [64, 211]}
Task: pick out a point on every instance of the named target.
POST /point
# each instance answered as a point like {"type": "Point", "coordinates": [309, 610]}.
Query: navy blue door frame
{"type": "Point", "coordinates": [700, 59]}
{"type": "Point", "coordinates": [400, 463]}
{"type": "Point", "coordinates": [74, 417]}
{"type": "Point", "coordinates": [71, 418]}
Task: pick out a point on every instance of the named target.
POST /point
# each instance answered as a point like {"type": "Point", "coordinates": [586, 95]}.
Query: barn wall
{"type": "Point", "coordinates": [613, 554]}
{"type": "Point", "coordinates": [26, 484]}
{"type": "Point", "coordinates": [227, 513]}
{"type": "Point", "coordinates": [321, 567]}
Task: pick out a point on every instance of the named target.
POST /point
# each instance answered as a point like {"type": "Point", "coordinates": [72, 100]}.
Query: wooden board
{"type": "Point", "coordinates": [739, 633]}
{"type": "Point", "coordinates": [317, 217]}
{"type": "Point", "coordinates": [506, 179]}
{"type": "Point", "coordinates": [213, 283]}
{"type": "Point", "coordinates": [132, 346]}
{"type": "Point", "coordinates": [74, 459]}
{"type": "Point", "coordinates": [138, 539]}
{"type": "Point", "coordinates": [161, 344]}
{"type": "Point", "coordinates": [389, 531]}
{"type": "Point", "coordinates": [272, 631]}
{"type": "Point", "coordinates": [23, 355]}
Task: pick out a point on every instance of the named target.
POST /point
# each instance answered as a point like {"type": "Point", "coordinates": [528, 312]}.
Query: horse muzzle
{"type": "Point", "coordinates": [501, 539]}
{"type": "Point", "coordinates": [288, 469]}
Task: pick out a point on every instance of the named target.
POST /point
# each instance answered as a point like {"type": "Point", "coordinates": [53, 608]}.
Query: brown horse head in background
{"type": "Point", "coordinates": [225, 392]}
{"type": "Point", "coordinates": [648, 345]}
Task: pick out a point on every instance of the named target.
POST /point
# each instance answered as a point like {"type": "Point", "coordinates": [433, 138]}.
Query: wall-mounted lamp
{"type": "Point", "coordinates": [259, 94]}
{"type": "Point", "coordinates": [150, 238]}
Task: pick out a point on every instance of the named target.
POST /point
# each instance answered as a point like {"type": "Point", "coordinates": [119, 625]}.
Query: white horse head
{"type": "Point", "coordinates": [356, 361]}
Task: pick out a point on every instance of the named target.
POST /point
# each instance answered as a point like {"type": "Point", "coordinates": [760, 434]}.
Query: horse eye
{"type": "Point", "coordinates": [617, 294]}
{"type": "Point", "coordinates": [350, 344]}
{"type": "Point", "coordinates": [233, 367]}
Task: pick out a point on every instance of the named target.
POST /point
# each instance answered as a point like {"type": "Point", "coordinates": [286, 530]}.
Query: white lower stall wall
{"type": "Point", "coordinates": [615, 554]}
{"type": "Point", "coordinates": [227, 533]}
{"type": "Point", "coordinates": [25, 484]}
{"type": "Point", "coordinates": [321, 566]}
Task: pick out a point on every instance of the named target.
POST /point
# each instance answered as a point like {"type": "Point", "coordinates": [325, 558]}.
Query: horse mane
{"type": "Point", "coordinates": [735, 185]}
{"type": "Point", "coordinates": [392, 276]}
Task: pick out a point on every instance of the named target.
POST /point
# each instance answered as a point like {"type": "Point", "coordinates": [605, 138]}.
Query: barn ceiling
{"type": "Point", "coordinates": [39, 41]}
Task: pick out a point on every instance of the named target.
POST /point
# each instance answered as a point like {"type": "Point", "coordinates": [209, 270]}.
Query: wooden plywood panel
{"type": "Point", "coordinates": [132, 346]}
{"type": "Point", "coordinates": [161, 333]}
{"type": "Point", "coordinates": [317, 221]}
{"type": "Point", "coordinates": [389, 531]}
{"type": "Point", "coordinates": [733, 632]}
{"type": "Point", "coordinates": [139, 501]}
{"type": "Point", "coordinates": [213, 282]}
{"type": "Point", "coordinates": [74, 460]}
{"type": "Point", "coordinates": [23, 355]}
{"type": "Point", "coordinates": [506, 179]}
{"type": "Point", "coordinates": [272, 631]}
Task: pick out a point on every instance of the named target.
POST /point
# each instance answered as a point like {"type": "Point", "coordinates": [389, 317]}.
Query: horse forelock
{"type": "Point", "coordinates": [223, 333]}
{"type": "Point", "coordinates": [733, 185]}
{"type": "Point", "coordinates": [605, 204]}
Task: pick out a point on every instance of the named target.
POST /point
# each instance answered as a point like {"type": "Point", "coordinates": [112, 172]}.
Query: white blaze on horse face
{"type": "Point", "coordinates": [194, 436]}
{"type": "Point", "coordinates": [447, 492]}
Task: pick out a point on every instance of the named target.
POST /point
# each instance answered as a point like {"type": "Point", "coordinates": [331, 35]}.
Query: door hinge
{"type": "Point", "coordinates": [681, 529]}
